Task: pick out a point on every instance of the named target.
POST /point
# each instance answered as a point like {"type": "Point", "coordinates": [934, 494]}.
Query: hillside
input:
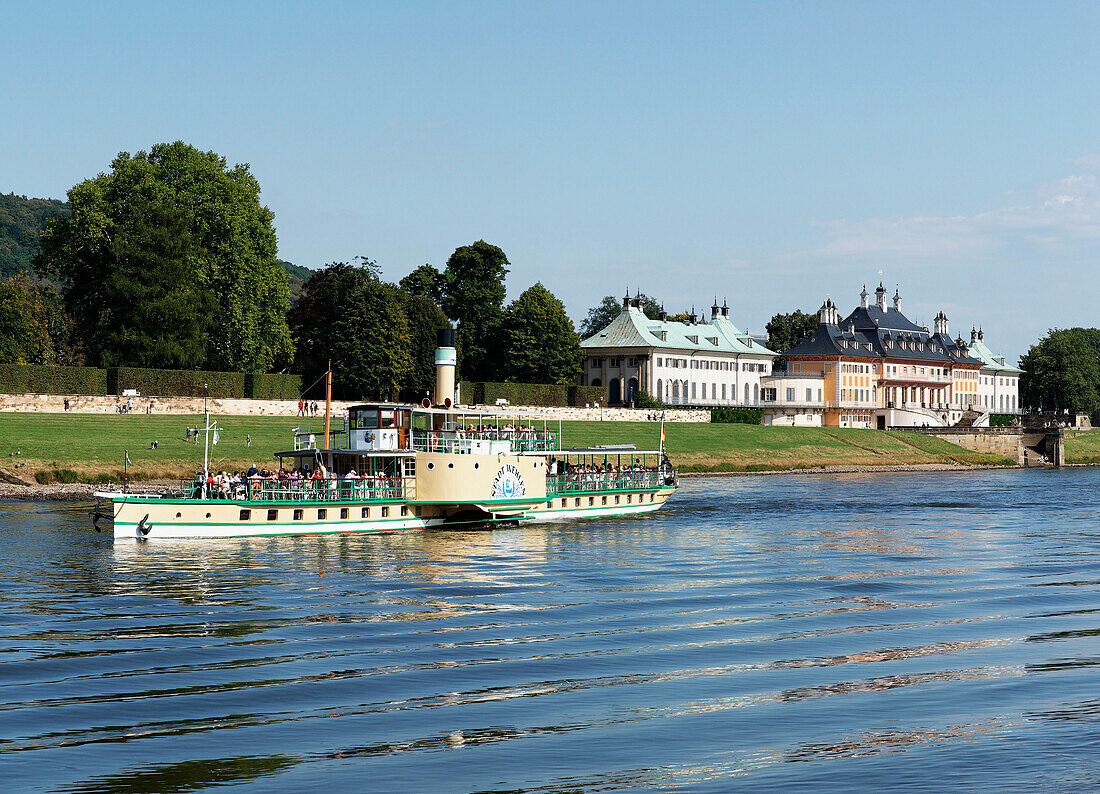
{"type": "Point", "coordinates": [22, 219]}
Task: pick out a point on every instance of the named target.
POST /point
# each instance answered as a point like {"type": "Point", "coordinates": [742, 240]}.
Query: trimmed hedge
{"type": "Point", "coordinates": [542, 394]}
{"type": "Point", "coordinates": [259, 386]}
{"type": "Point", "coordinates": [1001, 420]}
{"type": "Point", "coordinates": [741, 416]}
{"type": "Point", "coordinates": [49, 379]}
{"type": "Point", "coordinates": [174, 382]}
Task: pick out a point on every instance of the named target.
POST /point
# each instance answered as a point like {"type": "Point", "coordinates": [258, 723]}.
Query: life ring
{"type": "Point", "coordinates": [434, 441]}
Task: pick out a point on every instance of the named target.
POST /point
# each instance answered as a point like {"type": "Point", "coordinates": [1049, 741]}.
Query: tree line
{"type": "Point", "coordinates": [168, 260]}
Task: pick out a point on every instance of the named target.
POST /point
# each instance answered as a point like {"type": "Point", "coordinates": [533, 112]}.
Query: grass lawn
{"type": "Point", "coordinates": [1083, 447]}
{"type": "Point", "coordinates": [90, 447]}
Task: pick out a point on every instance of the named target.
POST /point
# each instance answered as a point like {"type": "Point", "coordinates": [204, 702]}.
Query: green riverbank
{"type": "Point", "coordinates": [90, 447]}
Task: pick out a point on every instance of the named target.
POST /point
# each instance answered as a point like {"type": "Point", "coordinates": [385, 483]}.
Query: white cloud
{"type": "Point", "coordinates": [1055, 214]}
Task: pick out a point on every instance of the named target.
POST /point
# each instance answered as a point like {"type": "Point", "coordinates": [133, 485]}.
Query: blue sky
{"type": "Point", "coordinates": [769, 153]}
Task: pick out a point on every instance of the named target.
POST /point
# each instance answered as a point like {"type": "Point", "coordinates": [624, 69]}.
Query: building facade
{"type": "Point", "coordinates": [998, 388]}
{"type": "Point", "coordinates": [880, 369]}
{"type": "Point", "coordinates": [680, 363]}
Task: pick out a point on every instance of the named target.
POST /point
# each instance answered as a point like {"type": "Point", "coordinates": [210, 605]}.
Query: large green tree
{"type": "Point", "coordinates": [231, 230]}
{"type": "Point", "coordinates": [425, 320]}
{"type": "Point", "coordinates": [475, 292]}
{"type": "Point", "coordinates": [601, 315]}
{"type": "Point", "coordinates": [426, 281]}
{"type": "Point", "coordinates": [1062, 371]}
{"type": "Point", "coordinates": [24, 330]}
{"type": "Point", "coordinates": [787, 330]}
{"type": "Point", "coordinates": [540, 342]}
{"type": "Point", "coordinates": [349, 316]}
{"type": "Point", "coordinates": [155, 312]}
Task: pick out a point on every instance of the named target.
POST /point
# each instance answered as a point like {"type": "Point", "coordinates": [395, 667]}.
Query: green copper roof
{"type": "Point", "coordinates": [633, 329]}
{"type": "Point", "coordinates": [977, 349]}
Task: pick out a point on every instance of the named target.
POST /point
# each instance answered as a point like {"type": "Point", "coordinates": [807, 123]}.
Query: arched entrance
{"type": "Point", "coordinates": [746, 394]}
{"type": "Point", "coordinates": [675, 392]}
{"type": "Point", "coordinates": [660, 394]}
{"type": "Point", "coordinates": [615, 394]}
{"type": "Point", "coordinates": [631, 390]}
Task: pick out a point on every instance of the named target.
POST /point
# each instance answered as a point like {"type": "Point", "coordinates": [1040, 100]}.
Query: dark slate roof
{"type": "Point", "coordinates": [873, 333]}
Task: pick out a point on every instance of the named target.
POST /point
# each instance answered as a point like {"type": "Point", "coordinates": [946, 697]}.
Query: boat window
{"type": "Point", "coordinates": [343, 512]}
{"type": "Point", "coordinates": [245, 515]}
{"type": "Point", "coordinates": [272, 515]}
{"type": "Point", "coordinates": [578, 502]}
{"type": "Point", "coordinates": [404, 510]}
{"type": "Point", "coordinates": [366, 512]}
{"type": "Point", "coordinates": [322, 513]}
{"type": "Point", "coordinates": [563, 502]}
{"type": "Point", "coordinates": [297, 515]}
{"type": "Point", "coordinates": [591, 501]}
{"type": "Point", "coordinates": [385, 512]}
{"type": "Point", "coordinates": [550, 503]}
{"type": "Point", "coordinates": [603, 500]}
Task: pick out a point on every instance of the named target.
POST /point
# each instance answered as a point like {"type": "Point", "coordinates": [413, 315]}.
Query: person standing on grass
{"type": "Point", "coordinates": [301, 407]}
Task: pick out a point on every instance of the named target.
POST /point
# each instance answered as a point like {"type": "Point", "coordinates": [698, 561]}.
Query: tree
{"type": "Point", "coordinates": [232, 232]}
{"type": "Point", "coordinates": [474, 297]}
{"type": "Point", "coordinates": [349, 316]}
{"type": "Point", "coordinates": [155, 311]}
{"type": "Point", "coordinates": [787, 330]}
{"type": "Point", "coordinates": [1062, 372]}
{"type": "Point", "coordinates": [425, 321]}
{"type": "Point", "coordinates": [426, 281]}
{"type": "Point", "coordinates": [24, 333]}
{"type": "Point", "coordinates": [601, 315]}
{"type": "Point", "coordinates": [540, 342]}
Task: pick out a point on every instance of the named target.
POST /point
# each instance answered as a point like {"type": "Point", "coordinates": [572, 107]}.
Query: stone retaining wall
{"type": "Point", "coordinates": [85, 404]}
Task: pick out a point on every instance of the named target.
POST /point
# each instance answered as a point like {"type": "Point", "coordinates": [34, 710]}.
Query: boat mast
{"type": "Point", "coordinates": [206, 440]}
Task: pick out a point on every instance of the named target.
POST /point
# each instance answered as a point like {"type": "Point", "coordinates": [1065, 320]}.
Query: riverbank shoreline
{"type": "Point", "coordinates": [84, 492]}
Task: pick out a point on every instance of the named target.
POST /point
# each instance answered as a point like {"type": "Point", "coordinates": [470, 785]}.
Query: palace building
{"type": "Point", "coordinates": [877, 368]}
{"type": "Point", "coordinates": [680, 363]}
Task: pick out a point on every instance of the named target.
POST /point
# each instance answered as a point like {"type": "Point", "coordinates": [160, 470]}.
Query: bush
{"type": "Point", "coordinates": [272, 387]}
{"type": "Point", "coordinates": [742, 416]}
{"type": "Point", "coordinates": [580, 396]}
{"type": "Point", "coordinates": [175, 382]}
{"type": "Point", "coordinates": [541, 394]}
{"type": "Point", "coordinates": [1001, 420]}
{"type": "Point", "coordinates": [644, 399]}
{"type": "Point", "coordinates": [48, 379]}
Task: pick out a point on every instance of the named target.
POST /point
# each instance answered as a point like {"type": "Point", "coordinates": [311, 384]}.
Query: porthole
{"type": "Point", "coordinates": [450, 465]}
{"type": "Point", "coordinates": [477, 465]}
{"type": "Point", "coordinates": [208, 515]}
{"type": "Point", "coordinates": [178, 515]}
{"type": "Point", "coordinates": [431, 466]}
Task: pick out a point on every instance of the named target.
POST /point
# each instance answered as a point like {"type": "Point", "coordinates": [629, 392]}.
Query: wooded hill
{"type": "Point", "coordinates": [22, 220]}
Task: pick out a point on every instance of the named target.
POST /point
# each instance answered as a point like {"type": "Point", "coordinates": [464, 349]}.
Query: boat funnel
{"type": "Point", "coordinates": [445, 359]}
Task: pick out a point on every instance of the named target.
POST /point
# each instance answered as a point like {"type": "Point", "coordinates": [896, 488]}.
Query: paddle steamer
{"type": "Point", "coordinates": [406, 467]}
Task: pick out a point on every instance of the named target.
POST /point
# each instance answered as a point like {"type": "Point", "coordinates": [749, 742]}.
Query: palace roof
{"type": "Point", "coordinates": [988, 358]}
{"type": "Point", "coordinates": [870, 332]}
{"type": "Point", "coordinates": [633, 329]}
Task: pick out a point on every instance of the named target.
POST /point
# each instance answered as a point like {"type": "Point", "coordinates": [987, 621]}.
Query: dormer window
{"type": "Point", "coordinates": [693, 339]}
{"type": "Point", "coordinates": [713, 340]}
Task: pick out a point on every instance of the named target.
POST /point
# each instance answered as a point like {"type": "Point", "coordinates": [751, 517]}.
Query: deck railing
{"type": "Point", "coordinates": [460, 440]}
{"type": "Point", "coordinates": [587, 482]}
{"type": "Point", "coordinates": [364, 490]}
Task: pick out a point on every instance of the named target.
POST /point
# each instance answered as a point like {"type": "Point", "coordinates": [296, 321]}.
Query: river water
{"type": "Point", "coordinates": [910, 631]}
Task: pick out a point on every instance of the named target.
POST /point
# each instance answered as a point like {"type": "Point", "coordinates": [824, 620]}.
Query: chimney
{"type": "Point", "coordinates": [863, 298]}
{"type": "Point", "coordinates": [445, 360]}
{"type": "Point", "coordinates": [880, 297]}
{"type": "Point", "coordinates": [897, 300]}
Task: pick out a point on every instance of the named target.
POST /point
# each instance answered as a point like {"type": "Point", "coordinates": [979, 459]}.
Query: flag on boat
{"type": "Point", "coordinates": [216, 435]}
{"type": "Point", "coordinates": [128, 461]}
